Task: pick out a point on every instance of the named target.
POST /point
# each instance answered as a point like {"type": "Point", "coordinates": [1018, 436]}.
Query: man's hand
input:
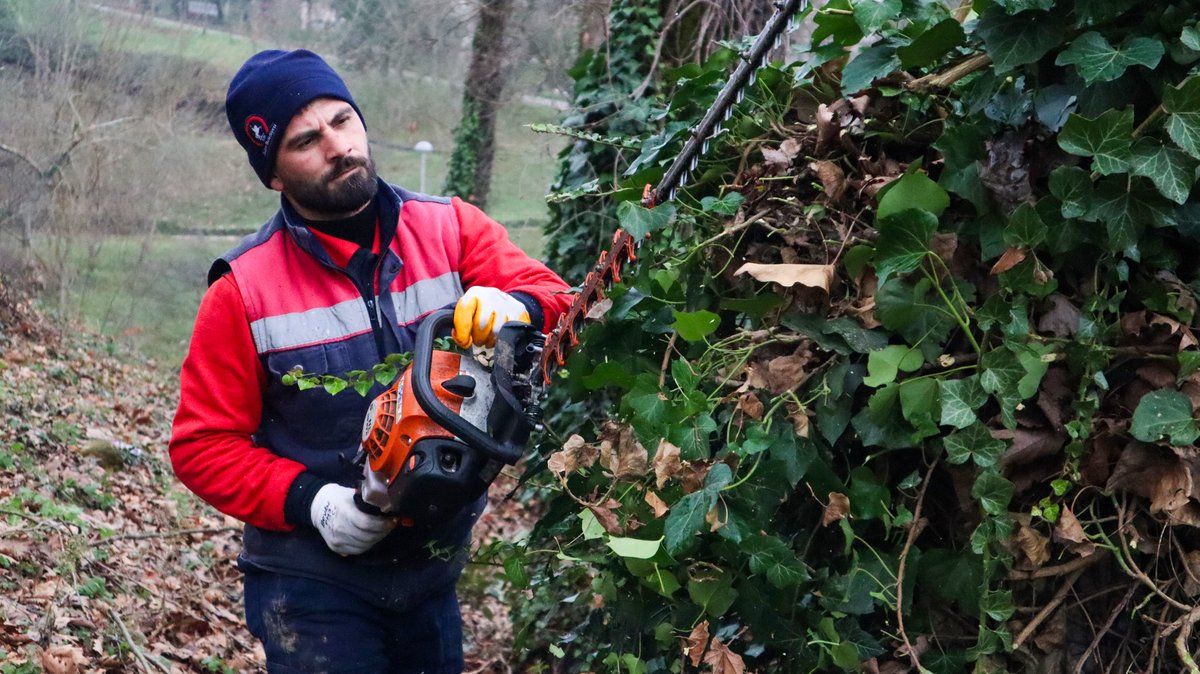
{"type": "Point", "coordinates": [346, 529]}
{"type": "Point", "coordinates": [481, 312]}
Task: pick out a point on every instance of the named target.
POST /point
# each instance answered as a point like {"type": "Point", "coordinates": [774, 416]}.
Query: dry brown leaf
{"type": "Point", "coordinates": [1133, 323]}
{"type": "Point", "coordinates": [827, 128]}
{"type": "Point", "coordinates": [832, 177]}
{"type": "Point", "coordinates": [776, 158]}
{"type": "Point", "coordinates": [597, 310]}
{"type": "Point", "coordinates": [1191, 573]}
{"type": "Point", "coordinates": [621, 453]}
{"type": "Point", "coordinates": [576, 453]}
{"type": "Point", "coordinates": [1011, 258]}
{"type": "Point", "coordinates": [837, 508]}
{"type": "Point", "coordinates": [787, 373]}
{"type": "Point", "coordinates": [656, 504]}
{"type": "Point", "coordinates": [791, 147]}
{"type": "Point", "coordinates": [606, 515]}
{"type": "Point", "coordinates": [713, 518]}
{"type": "Point", "coordinates": [62, 659]}
{"type": "Point", "coordinates": [666, 463]}
{"type": "Point", "coordinates": [1034, 545]}
{"type": "Point", "coordinates": [751, 405]}
{"type": "Point", "coordinates": [1152, 473]}
{"type": "Point", "coordinates": [722, 660]}
{"type": "Point", "coordinates": [1069, 530]}
{"type": "Point", "coordinates": [1028, 445]}
{"type": "Point", "coordinates": [692, 475]}
{"type": "Point", "coordinates": [696, 643]}
{"type": "Point", "coordinates": [1186, 338]}
{"type": "Point", "coordinates": [787, 275]}
{"type": "Point", "coordinates": [1062, 319]}
{"type": "Point", "coordinates": [799, 419]}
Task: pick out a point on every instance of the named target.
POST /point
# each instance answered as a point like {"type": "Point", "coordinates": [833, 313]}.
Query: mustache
{"type": "Point", "coordinates": [346, 164]}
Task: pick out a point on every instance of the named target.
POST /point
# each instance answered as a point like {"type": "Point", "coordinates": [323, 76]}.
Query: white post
{"type": "Point", "coordinates": [424, 147]}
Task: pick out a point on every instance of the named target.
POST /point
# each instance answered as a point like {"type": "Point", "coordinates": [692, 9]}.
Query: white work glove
{"type": "Point", "coordinates": [481, 312]}
{"type": "Point", "coordinates": [346, 529]}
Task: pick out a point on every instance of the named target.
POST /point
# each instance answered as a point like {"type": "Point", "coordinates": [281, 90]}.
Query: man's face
{"type": "Point", "coordinates": [324, 164]}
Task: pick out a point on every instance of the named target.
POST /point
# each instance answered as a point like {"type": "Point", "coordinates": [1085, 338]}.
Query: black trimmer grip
{"type": "Point", "coordinates": [422, 366]}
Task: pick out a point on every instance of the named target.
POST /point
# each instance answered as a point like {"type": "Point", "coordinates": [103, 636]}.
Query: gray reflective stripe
{"type": "Point", "coordinates": [310, 327]}
{"type": "Point", "coordinates": [425, 296]}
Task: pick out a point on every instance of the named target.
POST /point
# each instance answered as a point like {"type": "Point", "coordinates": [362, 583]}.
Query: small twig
{"type": "Point", "coordinates": [1060, 569]}
{"type": "Point", "coordinates": [1112, 617]}
{"type": "Point", "coordinates": [951, 75]}
{"type": "Point", "coordinates": [914, 530]}
{"type": "Point", "coordinates": [164, 534]}
{"type": "Point", "coordinates": [662, 374]}
{"type": "Point", "coordinates": [1186, 623]}
{"type": "Point", "coordinates": [137, 650]}
{"type": "Point", "coordinates": [1049, 608]}
{"type": "Point", "coordinates": [1150, 119]}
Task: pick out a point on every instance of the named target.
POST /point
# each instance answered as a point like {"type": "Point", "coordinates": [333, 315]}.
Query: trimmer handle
{"type": "Point", "coordinates": [422, 366]}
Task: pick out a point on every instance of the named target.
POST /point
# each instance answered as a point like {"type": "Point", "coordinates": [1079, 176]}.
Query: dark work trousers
{"type": "Point", "coordinates": [309, 626]}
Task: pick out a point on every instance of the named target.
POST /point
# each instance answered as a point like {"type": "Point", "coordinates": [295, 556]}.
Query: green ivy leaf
{"type": "Point", "coordinates": [871, 15]}
{"type": "Point", "coordinates": [879, 423]}
{"type": "Point", "coordinates": [1165, 413]}
{"type": "Point", "coordinates": [635, 548]}
{"type": "Point", "coordinates": [1016, 39]}
{"type": "Point", "coordinates": [869, 499]}
{"type": "Point", "coordinates": [1183, 124]}
{"type": "Point", "coordinates": [885, 364]}
{"type": "Point", "coordinates": [305, 383]}
{"type": "Point", "coordinates": [932, 44]}
{"type": "Point", "coordinates": [1002, 373]}
{"type": "Point", "coordinates": [871, 63]}
{"type": "Point", "coordinates": [685, 519]}
{"type": "Point", "coordinates": [771, 556]}
{"type": "Point", "coordinates": [1172, 171]}
{"type": "Point", "coordinates": [1025, 228]}
{"type": "Point", "coordinates": [993, 492]}
{"type": "Point", "coordinates": [1126, 209]}
{"type": "Point", "coordinates": [998, 605]}
{"type": "Point", "coordinates": [903, 241]}
{"type": "Point", "coordinates": [694, 326]}
{"type": "Point", "coordinates": [1098, 61]}
{"type": "Point", "coordinates": [919, 404]}
{"type": "Point", "coordinates": [1106, 139]}
{"type": "Point", "coordinates": [1017, 6]}
{"type": "Point", "coordinates": [960, 399]}
{"type": "Point", "coordinates": [726, 205]}
{"type": "Point", "coordinates": [913, 190]}
{"type": "Point", "coordinates": [973, 442]}
{"type": "Point", "coordinates": [1073, 187]}
{"type": "Point", "coordinates": [385, 373]}
{"type": "Point", "coordinates": [714, 595]}
{"type": "Point", "coordinates": [640, 221]}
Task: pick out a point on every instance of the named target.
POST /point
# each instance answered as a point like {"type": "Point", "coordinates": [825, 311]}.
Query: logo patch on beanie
{"type": "Point", "coordinates": [256, 130]}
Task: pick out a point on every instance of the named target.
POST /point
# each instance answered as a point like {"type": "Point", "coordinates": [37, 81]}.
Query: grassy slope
{"type": "Point", "coordinates": [144, 291]}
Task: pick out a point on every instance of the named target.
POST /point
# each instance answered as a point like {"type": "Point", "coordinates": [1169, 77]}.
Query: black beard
{"type": "Point", "coordinates": [335, 200]}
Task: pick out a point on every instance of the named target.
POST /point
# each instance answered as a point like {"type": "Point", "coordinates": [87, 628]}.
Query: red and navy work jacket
{"type": "Point", "coordinates": [288, 296]}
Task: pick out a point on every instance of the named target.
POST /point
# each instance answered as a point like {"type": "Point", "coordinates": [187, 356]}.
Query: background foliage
{"type": "Point", "coordinates": [944, 419]}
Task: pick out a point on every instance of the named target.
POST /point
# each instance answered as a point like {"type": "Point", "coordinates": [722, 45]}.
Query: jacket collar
{"type": "Point", "coordinates": [390, 203]}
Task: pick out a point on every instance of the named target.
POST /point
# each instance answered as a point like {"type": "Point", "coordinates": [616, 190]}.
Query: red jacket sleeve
{"type": "Point", "coordinates": [220, 406]}
{"type": "Point", "coordinates": [489, 258]}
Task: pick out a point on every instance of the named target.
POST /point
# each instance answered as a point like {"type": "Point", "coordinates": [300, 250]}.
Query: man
{"type": "Point", "coordinates": [336, 280]}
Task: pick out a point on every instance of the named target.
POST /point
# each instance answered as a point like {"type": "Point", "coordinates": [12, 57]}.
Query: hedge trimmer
{"type": "Point", "coordinates": [437, 438]}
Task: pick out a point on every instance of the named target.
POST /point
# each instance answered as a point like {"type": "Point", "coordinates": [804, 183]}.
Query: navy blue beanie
{"type": "Point", "coordinates": [268, 90]}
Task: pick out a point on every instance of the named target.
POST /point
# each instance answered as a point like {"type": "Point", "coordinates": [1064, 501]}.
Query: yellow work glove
{"type": "Point", "coordinates": [481, 312]}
